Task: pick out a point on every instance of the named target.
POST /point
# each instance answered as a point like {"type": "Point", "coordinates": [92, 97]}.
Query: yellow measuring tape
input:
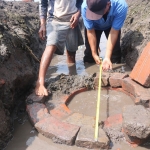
{"type": "Point", "coordinates": [98, 104]}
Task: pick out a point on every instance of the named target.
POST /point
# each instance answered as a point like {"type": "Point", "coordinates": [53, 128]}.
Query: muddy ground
{"type": "Point", "coordinates": [21, 50]}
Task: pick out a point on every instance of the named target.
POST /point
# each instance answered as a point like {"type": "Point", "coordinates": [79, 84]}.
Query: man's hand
{"type": "Point", "coordinates": [97, 59]}
{"type": "Point", "coordinates": [42, 32]}
{"type": "Point", "coordinates": [75, 19]}
{"type": "Point", "coordinates": [106, 64]}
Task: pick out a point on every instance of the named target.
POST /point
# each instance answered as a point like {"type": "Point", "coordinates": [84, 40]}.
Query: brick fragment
{"type": "Point", "coordinates": [141, 94]}
{"type": "Point", "coordinates": [141, 70]}
{"type": "Point", "coordinates": [59, 132]}
{"type": "Point", "coordinates": [36, 112]}
{"type": "Point", "coordinates": [113, 120]}
{"type": "Point", "coordinates": [66, 98]}
{"type": "Point", "coordinates": [104, 81]}
{"type": "Point", "coordinates": [129, 86]}
{"type": "Point", "coordinates": [116, 79]}
{"type": "Point", "coordinates": [136, 121]}
{"type": "Point", "coordinates": [60, 112]}
{"type": "Point", "coordinates": [86, 139]}
{"type": "Point", "coordinates": [75, 92]}
{"type": "Point", "coordinates": [113, 127]}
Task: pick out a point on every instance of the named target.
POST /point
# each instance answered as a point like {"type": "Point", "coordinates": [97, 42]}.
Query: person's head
{"type": "Point", "coordinates": [97, 8]}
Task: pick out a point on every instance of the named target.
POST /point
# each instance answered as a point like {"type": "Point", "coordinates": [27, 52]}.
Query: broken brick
{"type": "Point", "coordinates": [141, 70]}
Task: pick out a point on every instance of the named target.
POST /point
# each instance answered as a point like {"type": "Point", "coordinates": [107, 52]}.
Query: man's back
{"type": "Point", "coordinates": [115, 17]}
{"type": "Point", "coordinates": [62, 10]}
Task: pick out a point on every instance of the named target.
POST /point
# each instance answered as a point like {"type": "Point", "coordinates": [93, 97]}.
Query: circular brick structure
{"type": "Point", "coordinates": [63, 126]}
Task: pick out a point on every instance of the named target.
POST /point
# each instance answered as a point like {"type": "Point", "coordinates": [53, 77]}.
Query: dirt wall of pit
{"type": "Point", "coordinates": [136, 30]}
{"type": "Point", "coordinates": [20, 53]}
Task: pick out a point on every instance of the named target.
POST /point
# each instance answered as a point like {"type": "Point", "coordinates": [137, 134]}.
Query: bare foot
{"type": "Point", "coordinates": [40, 90]}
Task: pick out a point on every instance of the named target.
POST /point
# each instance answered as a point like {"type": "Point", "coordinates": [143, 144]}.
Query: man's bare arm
{"type": "Point", "coordinates": [112, 38]}
{"type": "Point", "coordinates": [93, 44]}
{"type": "Point", "coordinates": [42, 30]}
{"type": "Point", "coordinates": [75, 19]}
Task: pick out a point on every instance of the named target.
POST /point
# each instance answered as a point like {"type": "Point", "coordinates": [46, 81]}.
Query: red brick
{"type": "Point", "coordinates": [86, 139]}
{"type": "Point", "coordinates": [66, 98]}
{"type": "Point", "coordinates": [116, 78]}
{"type": "Point", "coordinates": [141, 94]}
{"type": "Point", "coordinates": [104, 81]}
{"type": "Point", "coordinates": [60, 112]}
{"type": "Point", "coordinates": [128, 85]}
{"type": "Point", "coordinates": [141, 70]}
{"type": "Point", "coordinates": [113, 127]}
{"type": "Point", "coordinates": [73, 93]}
{"type": "Point", "coordinates": [113, 120]}
{"type": "Point", "coordinates": [36, 112]}
{"type": "Point", "coordinates": [59, 132]}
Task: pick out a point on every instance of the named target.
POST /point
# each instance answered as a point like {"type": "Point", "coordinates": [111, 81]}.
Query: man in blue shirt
{"type": "Point", "coordinates": [107, 16]}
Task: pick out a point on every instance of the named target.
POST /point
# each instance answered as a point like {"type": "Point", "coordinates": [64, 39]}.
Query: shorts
{"type": "Point", "coordinates": [60, 34]}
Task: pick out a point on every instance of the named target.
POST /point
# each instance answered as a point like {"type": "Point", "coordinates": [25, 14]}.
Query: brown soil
{"type": "Point", "coordinates": [19, 59]}
{"type": "Point", "coordinates": [136, 30]}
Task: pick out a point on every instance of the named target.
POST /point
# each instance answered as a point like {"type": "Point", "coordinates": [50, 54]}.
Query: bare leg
{"type": "Point", "coordinates": [71, 57]}
{"type": "Point", "coordinates": [72, 69]}
{"type": "Point", "coordinates": [45, 61]}
{"type": "Point", "coordinates": [71, 62]}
